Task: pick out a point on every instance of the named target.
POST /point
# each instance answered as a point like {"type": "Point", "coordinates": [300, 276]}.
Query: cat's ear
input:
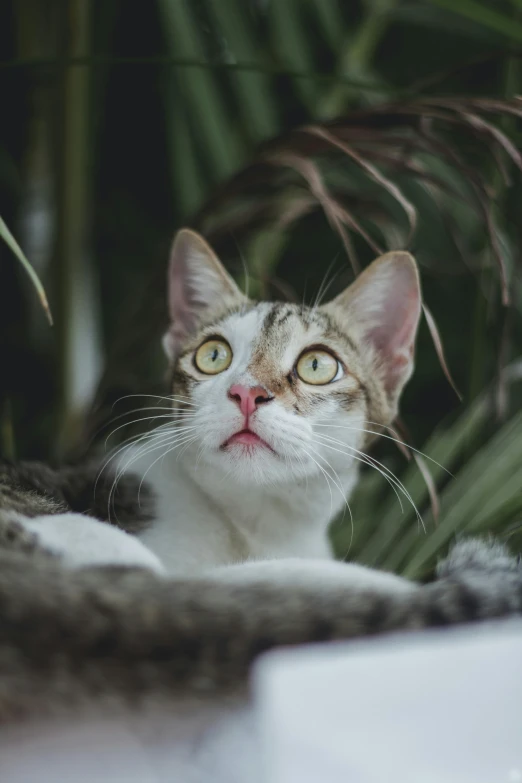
{"type": "Point", "coordinates": [197, 281]}
{"type": "Point", "coordinates": [384, 306]}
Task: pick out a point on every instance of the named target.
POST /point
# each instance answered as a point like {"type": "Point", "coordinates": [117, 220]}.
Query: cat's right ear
{"type": "Point", "coordinates": [197, 281]}
{"type": "Point", "coordinates": [384, 305]}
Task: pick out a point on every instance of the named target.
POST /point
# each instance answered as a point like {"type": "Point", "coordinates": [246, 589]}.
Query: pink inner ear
{"type": "Point", "coordinates": [395, 334]}
{"type": "Point", "coordinates": [181, 300]}
{"type": "Point", "coordinates": [196, 281]}
{"type": "Point", "coordinates": [387, 302]}
{"type": "Point", "coordinates": [397, 356]}
{"type": "Point", "coordinates": [190, 267]}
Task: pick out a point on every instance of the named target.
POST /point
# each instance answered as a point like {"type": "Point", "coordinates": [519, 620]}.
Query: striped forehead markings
{"type": "Point", "coordinates": [280, 313]}
{"type": "Point", "coordinates": [277, 315]}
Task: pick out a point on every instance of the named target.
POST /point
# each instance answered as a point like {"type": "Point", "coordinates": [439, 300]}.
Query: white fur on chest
{"type": "Point", "coordinates": [201, 522]}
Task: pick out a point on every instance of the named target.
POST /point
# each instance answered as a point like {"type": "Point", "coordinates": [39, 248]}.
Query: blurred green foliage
{"type": "Point", "coordinates": [122, 121]}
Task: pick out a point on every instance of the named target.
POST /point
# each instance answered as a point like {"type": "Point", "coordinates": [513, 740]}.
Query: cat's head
{"type": "Point", "coordinates": [271, 391]}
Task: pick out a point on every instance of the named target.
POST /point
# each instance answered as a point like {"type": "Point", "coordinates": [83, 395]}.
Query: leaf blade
{"type": "Point", "coordinates": [35, 280]}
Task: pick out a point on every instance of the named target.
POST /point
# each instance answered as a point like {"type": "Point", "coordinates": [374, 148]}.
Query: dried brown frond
{"type": "Point", "coordinates": [322, 165]}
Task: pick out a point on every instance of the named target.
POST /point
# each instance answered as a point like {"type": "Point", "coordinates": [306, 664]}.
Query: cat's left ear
{"type": "Point", "coordinates": [197, 282]}
{"type": "Point", "coordinates": [383, 306]}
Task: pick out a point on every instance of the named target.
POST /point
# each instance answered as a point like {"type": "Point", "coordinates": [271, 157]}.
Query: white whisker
{"type": "Point", "coordinates": [325, 285]}
{"type": "Point", "coordinates": [245, 270]}
{"type": "Point", "coordinates": [137, 421]}
{"type": "Point", "coordinates": [159, 442]}
{"type": "Point", "coordinates": [174, 445]}
{"type": "Point", "coordinates": [388, 437]}
{"type": "Point", "coordinates": [364, 458]}
{"type": "Point", "coordinates": [185, 400]}
{"type": "Point", "coordinates": [390, 477]}
{"type": "Point", "coordinates": [301, 461]}
{"type": "Point", "coordinates": [327, 477]}
{"type": "Point", "coordinates": [151, 441]}
{"type": "Point", "coordinates": [134, 438]}
{"type": "Point", "coordinates": [168, 408]}
{"type": "Point", "coordinates": [343, 495]}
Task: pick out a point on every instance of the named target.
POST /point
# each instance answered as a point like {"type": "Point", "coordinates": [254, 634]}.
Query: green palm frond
{"type": "Point", "coordinates": [480, 492]}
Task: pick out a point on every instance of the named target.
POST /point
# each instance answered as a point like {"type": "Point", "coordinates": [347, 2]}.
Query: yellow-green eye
{"type": "Point", "coordinates": [317, 367]}
{"type": "Point", "coordinates": [213, 357]}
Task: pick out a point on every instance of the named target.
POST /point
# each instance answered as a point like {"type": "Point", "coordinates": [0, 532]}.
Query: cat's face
{"type": "Point", "coordinates": [272, 392]}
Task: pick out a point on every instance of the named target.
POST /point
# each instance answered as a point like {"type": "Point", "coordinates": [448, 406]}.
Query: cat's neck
{"type": "Point", "coordinates": [204, 518]}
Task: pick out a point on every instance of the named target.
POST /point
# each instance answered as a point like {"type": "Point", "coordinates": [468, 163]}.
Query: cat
{"type": "Point", "coordinates": [270, 411]}
{"type": "Point", "coordinates": [120, 637]}
{"type": "Point", "coordinates": [217, 556]}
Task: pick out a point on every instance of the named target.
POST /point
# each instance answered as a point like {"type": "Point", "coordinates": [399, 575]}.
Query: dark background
{"type": "Point", "coordinates": [123, 121]}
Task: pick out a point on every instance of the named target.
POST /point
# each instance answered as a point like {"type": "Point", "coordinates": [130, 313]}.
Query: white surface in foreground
{"type": "Point", "coordinates": [426, 708]}
{"type": "Point", "coordinates": [437, 708]}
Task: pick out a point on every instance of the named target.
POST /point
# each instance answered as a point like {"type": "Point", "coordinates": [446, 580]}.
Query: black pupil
{"type": "Point", "coordinates": [215, 354]}
{"type": "Point", "coordinates": [314, 364]}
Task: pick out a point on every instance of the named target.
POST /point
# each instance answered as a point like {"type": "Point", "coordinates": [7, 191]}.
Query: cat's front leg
{"type": "Point", "coordinates": [289, 573]}
{"type": "Point", "coordinates": [79, 540]}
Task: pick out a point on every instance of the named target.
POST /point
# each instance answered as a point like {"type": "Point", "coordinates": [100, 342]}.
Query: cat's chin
{"type": "Point", "coordinates": [254, 464]}
{"type": "Point", "coordinates": [250, 461]}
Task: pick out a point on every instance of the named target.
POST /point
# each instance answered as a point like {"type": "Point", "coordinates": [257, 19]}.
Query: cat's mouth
{"type": "Point", "coordinates": [246, 437]}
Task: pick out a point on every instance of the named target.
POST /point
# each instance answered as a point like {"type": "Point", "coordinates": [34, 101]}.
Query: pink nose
{"type": "Point", "coordinates": [248, 397]}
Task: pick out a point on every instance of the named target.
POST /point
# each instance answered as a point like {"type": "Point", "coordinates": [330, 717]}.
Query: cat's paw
{"type": "Point", "coordinates": [477, 555]}
{"type": "Point", "coordinates": [83, 541]}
